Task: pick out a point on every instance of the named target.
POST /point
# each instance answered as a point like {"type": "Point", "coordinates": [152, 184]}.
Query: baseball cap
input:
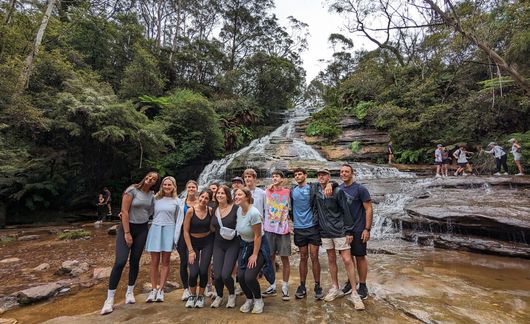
{"type": "Point", "coordinates": [439, 145]}
{"type": "Point", "coordinates": [323, 171]}
{"type": "Point", "coordinates": [238, 179]}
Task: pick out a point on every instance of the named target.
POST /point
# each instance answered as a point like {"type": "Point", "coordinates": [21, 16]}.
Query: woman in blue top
{"type": "Point", "coordinates": [160, 237]}
{"type": "Point", "coordinates": [136, 207]}
{"type": "Point", "coordinates": [251, 259]}
{"type": "Point", "coordinates": [184, 205]}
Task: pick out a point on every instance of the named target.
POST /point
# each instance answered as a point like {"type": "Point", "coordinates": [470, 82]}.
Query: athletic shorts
{"type": "Point", "coordinates": [305, 236]}
{"type": "Point", "coordinates": [462, 165]}
{"type": "Point", "coordinates": [338, 243]}
{"type": "Point", "coordinates": [280, 244]}
{"type": "Point", "coordinates": [446, 161]}
{"type": "Point", "coordinates": [438, 163]}
{"type": "Point", "coordinates": [517, 156]}
{"type": "Point", "coordinates": [358, 248]}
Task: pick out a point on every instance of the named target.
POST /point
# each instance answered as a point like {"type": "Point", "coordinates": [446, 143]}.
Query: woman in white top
{"type": "Point", "coordinates": [160, 237]}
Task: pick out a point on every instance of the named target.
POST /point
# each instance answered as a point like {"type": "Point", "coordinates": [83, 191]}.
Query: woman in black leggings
{"type": "Point", "coordinates": [184, 205]}
{"type": "Point", "coordinates": [199, 241]}
{"type": "Point", "coordinates": [225, 249]}
{"type": "Point", "coordinates": [136, 207]}
{"type": "Point", "coordinates": [251, 259]}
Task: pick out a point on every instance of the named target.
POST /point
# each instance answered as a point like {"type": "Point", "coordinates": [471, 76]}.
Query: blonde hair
{"type": "Point", "coordinates": [160, 193]}
{"type": "Point", "coordinates": [250, 172]}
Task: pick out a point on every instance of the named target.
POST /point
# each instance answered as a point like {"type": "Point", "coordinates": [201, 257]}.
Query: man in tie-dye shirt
{"type": "Point", "coordinates": [276, 226]}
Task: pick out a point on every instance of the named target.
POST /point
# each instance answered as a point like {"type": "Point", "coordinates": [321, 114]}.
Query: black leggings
{"type": "Point", "coordinates": [248, 278]}
{"type": "Point", "coordinates": [225, 254]}
{"type": "Point", "coordinates": [501, 162]}
{"type": "Point", "coordinates": [139, 236]}
{"type": "Point", "coordinates": [183, 256]}
{"type": "Point", "coordinates": [203, 248]}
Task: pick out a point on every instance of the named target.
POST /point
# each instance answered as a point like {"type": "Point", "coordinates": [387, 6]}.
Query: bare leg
{"type": "Point", "coordinates": [155, 260]}
{"type": "Point", "coordinates": [313, 251]}
{"type": "Point", "coordinates": [333, 270]}
{"type": "Point", "coordinates": [164, 271]}
{"type": "Point", "coordinates": [303, 263]}
{"type": "Point", "coordinates": [362, 268]}
{"type": "Point", "coordinates": [286, 268]}
{"type": "Point", "coordinates": [350, 268]}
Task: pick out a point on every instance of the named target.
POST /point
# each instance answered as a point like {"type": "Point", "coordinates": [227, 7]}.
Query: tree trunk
{"type": "Point", "coordinates": [519, 79]}
{"type": "Point", "coordinates": [28, 62]}
{"type": "Point", "coordinates": [10, 11]}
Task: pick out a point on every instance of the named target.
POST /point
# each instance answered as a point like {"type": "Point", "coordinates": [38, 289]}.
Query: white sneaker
{"type": "Point", "coordinates": [185, 294]}
{"type": "Point", "coordinates": [129, 298]}
{"type": "Point", "coordinates": [152, 296]}
{"type": "Point", "coordinates": [238, 291]}
{"type": "Point", "coordinates": [108, 306]}
{"type": "Point", "coordinates": [191, 301]}
{"type": "Point", "coordinates": [519, 174]}
{"type": "Point", "coordinates": [437, 176]}
{"type": "Point", "coordinates": [247, 306]}
{"type": "Point", "coordinates": [496, 174]}
{"type": "Point", "coordinates": [231, 303]}
{"type": "Point", "coordinates": [160, 296]}
{"type": "Point", "coordinates": [455, 174]}
{"type": "Point", "coordinates": [356, 300]}
{"type": "Point", "coordinates": [199, 303]}
{"type": "Point", "coordinates": [258, 306]}
{"type": "Point", "coordinates": [285, 293]}
{"type": "Point", "coordinates": [333, 294]}
{"type": "Point", "coordinates": [464, 174]}
{"type": "Point", "coordinates": [505, 173]}
{"type": "Point", "coordinates": [216, 302]}
{"type": "Point", "coordinates": [208, 292]}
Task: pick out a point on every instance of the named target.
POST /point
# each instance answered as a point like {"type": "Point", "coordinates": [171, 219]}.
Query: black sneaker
{"type": "Point", "coordinates": [362, 291]}
{"type": "Point", "coordinates": [346, 290]}
{"type": "Point", "coordinates": [269, 292]}
{"type": "Point", "coordinates": [301, 292]}
{"type": "Point", "coordinates": [319, 293]}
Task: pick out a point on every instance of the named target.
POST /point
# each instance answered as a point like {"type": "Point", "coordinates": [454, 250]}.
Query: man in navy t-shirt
{"type": "Point", "coordinates": [360, 205]}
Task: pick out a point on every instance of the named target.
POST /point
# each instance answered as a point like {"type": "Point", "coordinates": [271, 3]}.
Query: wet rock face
{"type": "Point", "coordinates": [487, 215]}
{"type": "Point", "coordinates": [73, 267]}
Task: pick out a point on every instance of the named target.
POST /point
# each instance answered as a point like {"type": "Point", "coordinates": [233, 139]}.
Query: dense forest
{"type": "Point", "coordinates": [95, 92]}
{"type": "Point", "coordinates": [454, 73]}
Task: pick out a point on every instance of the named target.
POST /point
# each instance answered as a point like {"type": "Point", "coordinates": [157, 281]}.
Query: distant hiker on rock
{"type": "Point", "coordinates": [500, 158]}
{"type": "Point", "coordinates": [390, 152]}
{"type": "Point", "coordinates": [107, 197]}
{"type": "Point", "coordinates": [461, 158]}
{"type": "Point", "coordinates": [438, 160]}
{"type": "Point", "coordinates": [517, 152]}
{"type": "Point", "coordinates": [446, 160]}
{"type": "Point", "coordinates": [101, 208]}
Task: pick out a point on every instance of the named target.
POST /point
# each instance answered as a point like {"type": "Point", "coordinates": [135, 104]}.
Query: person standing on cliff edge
{"type": "Point", "coordinates": [360, 205]}
{"type": "Point", "coordinates": [517, 152]}
{"type": "Point", "coordinates": [390, 152]}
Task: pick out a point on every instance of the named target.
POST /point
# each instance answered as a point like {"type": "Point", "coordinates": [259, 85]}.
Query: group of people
{"type": "Point", "coordinates": [243, 229]}
{"type": "Point", "coordinates": [442, 159]}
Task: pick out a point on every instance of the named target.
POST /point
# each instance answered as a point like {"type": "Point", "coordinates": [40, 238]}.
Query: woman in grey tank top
{"type": "Point", "coordinates": [136, 207]}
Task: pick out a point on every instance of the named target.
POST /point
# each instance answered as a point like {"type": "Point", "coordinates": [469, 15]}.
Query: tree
{"type": "Point", "coordinates": [141, 76]}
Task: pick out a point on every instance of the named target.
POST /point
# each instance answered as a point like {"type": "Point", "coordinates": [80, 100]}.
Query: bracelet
{"type": "Point", "coordinates": [127, 232]}
{"type": "Point", "coordinates": [191, 251]}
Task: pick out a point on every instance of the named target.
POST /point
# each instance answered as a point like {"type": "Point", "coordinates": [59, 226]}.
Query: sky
{"type": "Point", "coordinates": [321, 24]}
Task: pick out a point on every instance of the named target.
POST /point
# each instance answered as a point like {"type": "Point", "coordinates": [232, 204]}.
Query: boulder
{"type": "Point", "coordinates": [7, 303]}
{"type": "Point", "coordinates": [42, 267]}
{"type": "Point", "coordinates": [73, 267]}
{"type": "Point", "coordinates": [28, 237]}
{"type": "Point", "coordinates": [10, 260]}
{"type": "Point", "coordinates": [112, 230]}
{"type": "Point", "coordinates": [101, 273]}
{"type": "Point", "coordinates": [34, 294]}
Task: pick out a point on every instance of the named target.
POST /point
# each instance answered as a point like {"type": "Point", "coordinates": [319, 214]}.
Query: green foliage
{"type": "Point", "coordinates": [142, 76]}
{"type": "Point", "coordinates": [325, 123]}
{"type": "Point", "coordinates": [361, 109]}
{"type": "Point", "coordinates": [412, 156]}
{"type": "Point", "coordinates": [74, 235]}
{"type": "Point", "coordinates": [355, 146]}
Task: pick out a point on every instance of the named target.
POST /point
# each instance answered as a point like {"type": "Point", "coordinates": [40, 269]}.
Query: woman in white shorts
{"type": "Point", "coordinates": [517, 152]}
{"type": "Point", "coordinates": [160, 237]}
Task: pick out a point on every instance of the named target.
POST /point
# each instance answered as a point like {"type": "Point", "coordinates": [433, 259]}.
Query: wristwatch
{"type": "Point", "coordinates": [368, 229]}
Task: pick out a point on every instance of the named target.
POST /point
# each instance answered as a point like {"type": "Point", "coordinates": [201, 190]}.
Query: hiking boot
{"type": "Point", "coordinates": [152, 296]}
{"type": "Point", "coordinates": [129, 298]}
{"type": "Point", "coordinates": [319, 293]}
{"type": "Point", "coordinates": [357, 301]}
{"type": "Point", "coordinates": [247, 306]}
{"type": "Point", "coordinates": [199, 303]}
{"type": "Point", "coordinates": [269, 292]}
{"type": "Point", "coordinates": [191, 301]}
{"type": "Point", "coordinates": [108, 306]}
{"type": "Point", "coordinates": [160, 296]}
{"type": "Point", "coordinates": [333, 294]}
{"type": "Point", "coordinates": [216, 302]}
{"type": "Point", "coordinates": [185, 294]}
{"type": "Point", "coordinates": [362, 291]}
{"type": "Point", "coordinates": [301, 292]}
{"type": "Point", "coordinates": [258, 306]}
{"type": "Point", "coordinates": [231, 303]}
{"type": "Point", "coordinates": [346, 290]}
{"type": "Point", "coordinates": [285, 293]}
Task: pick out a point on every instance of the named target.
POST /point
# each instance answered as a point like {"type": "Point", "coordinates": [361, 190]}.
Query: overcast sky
{"type": "Point", "coordinates": [321, 25]}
